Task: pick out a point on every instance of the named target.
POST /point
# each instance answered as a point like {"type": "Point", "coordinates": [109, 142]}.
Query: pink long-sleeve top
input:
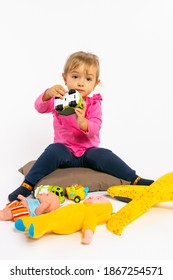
{"type": "Point", "coordinates": [66, 129]}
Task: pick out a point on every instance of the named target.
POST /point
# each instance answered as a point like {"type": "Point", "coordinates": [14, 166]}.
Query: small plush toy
{"type": "Point", "coordinates": [69, 219]}
{"type": "Point", "coordinates": [29, 207]}
{"type": "Point", "coordinates": [143, 198]}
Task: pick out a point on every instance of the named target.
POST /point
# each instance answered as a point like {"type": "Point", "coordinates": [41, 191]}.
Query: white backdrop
{"type": "Point", "coordinates": [134, 40]}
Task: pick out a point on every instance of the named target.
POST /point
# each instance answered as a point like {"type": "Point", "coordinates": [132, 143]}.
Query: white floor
{"type": "Point", "coordinates": [147, 238]}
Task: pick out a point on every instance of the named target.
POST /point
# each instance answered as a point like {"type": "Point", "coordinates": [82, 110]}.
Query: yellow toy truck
{"type": "Point", "coordinates": [77, 192]}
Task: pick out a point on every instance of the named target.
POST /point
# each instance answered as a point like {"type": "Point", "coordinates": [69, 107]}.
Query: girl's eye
{"type": "Point", "coordinates": [74, 76]}
{"type": "Point", "coordinates": [89, 79]}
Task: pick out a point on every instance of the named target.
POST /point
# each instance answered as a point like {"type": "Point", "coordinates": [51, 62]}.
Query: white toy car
{"type": "Point", "coordinates": [71, 100]}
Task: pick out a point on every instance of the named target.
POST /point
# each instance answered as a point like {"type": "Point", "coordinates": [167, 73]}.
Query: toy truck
{"type": "Point", "coordinates": [77, 192]}
{"type": "Point", "coordinates": [71, 100]}
{"type": "Point", "coordinates": [48, 188]}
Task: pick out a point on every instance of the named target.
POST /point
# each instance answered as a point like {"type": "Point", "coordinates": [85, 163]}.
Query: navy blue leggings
{"type": "Point", "coordinates": [57, 155]}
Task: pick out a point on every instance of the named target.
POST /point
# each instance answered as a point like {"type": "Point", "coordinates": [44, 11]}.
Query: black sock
{"type": "Point", "coordinates": [145, 182]}
{"type": "Point", "coordinates": [25, 189]}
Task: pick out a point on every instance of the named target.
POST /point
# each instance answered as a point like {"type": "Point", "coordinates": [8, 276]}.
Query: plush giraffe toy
{"type": "Point", "coordinates": [143, 198]}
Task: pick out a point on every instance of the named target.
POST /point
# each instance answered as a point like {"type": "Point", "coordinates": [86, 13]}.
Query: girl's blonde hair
{"type": "Point", "coordinates": [78, 58]}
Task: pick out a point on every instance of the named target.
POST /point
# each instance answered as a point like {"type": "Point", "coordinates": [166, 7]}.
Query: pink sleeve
{"type": "Point", "coordinates": [94, 123]}
{"type": "Point", "coordinates": [44, 106]}
{"type": "Point", "coordinates": [94, 116]}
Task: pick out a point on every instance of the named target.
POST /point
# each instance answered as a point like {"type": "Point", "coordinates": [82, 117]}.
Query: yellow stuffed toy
{"type": "Point", "coordinates": [143, 198]}
{"type": "Point", "coordinates": [69, 219]}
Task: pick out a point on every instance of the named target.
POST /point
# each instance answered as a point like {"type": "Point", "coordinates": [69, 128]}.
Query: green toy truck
{"type": "Point", "coordinates": [48, 188]}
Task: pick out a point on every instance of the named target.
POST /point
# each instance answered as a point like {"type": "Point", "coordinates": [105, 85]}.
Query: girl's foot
{"type": "Point", "coordinates": [25, 189]}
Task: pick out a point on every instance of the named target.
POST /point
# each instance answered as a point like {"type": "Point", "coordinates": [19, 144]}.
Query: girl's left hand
{"type": "Point", "coordinates": [80, 113]}
{"type": "Point", "coordinates": [80, 117]}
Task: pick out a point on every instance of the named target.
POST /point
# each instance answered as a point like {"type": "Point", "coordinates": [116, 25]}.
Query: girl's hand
{"type": "Point", "coordinates": [80, 117]}
{"type": "Point", "coordinates": [80, 113]}
{"type": "Point", "coordinates": [55, 91]}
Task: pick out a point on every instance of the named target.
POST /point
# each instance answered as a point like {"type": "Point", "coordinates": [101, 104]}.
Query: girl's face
{"type": "Point", "coordinates": [82, 79]}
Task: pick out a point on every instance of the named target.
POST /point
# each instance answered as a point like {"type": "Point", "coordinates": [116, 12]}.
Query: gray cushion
{"type": "Point", "coordinates": [95, 180]}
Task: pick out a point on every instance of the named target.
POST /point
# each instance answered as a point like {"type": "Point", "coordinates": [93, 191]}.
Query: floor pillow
{"type": "Point", "coordinates": [64, 177]}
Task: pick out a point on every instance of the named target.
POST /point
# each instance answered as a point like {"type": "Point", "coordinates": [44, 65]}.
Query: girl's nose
{"type": "Point", "coordinates": [81, 83]}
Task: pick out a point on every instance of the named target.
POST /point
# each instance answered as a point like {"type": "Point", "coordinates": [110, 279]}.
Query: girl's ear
{"type": "Point", "coordinates": [98, 83]}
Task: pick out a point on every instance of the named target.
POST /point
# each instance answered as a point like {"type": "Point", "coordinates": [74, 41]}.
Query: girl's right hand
{"type": "Point", "coordinates": [55, 91]}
